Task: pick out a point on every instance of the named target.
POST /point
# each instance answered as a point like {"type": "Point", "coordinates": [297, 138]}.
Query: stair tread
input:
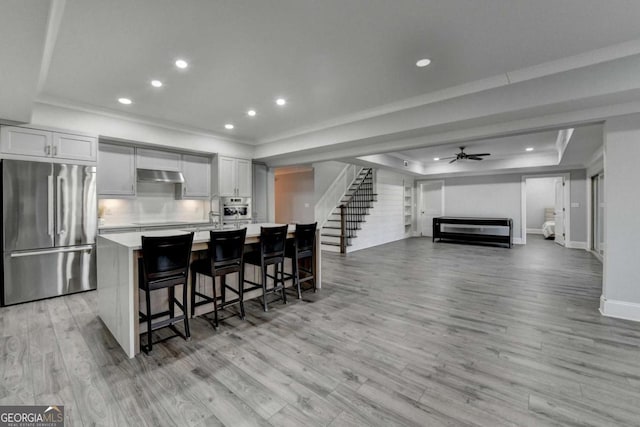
{"type": "Point", "coordinates": [332, 243]}
{"type": "Point", "coordinates": [353, 214]}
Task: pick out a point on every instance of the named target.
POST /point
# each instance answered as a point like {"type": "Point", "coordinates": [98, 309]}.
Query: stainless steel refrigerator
{"type": "Point", "coordinates": [49, 225]}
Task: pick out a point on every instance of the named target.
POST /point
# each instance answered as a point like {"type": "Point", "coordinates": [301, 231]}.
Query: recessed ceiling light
{"type": "Point", "coordinates": [156, 83]}
{"type": "Point", "coordinates": [181, 63]}
{"type": "Point", "coordinates": [281, 101]}
{"type": "Point", "coordinates": [228, 126]}
{"type": "Point", "coordinates": [125, 101]}
{"type": "Point", "coordinates": [436, 158]}
{"type": "Point", "coordinates": [529, 149]}
{"type": "Point", "coordinates": [251, 113]}
{"type": "Point", "coordinates": [423, 62]}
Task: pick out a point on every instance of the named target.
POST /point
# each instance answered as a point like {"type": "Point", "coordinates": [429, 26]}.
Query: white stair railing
{"type": "Point", "coordinates": [330, 199]}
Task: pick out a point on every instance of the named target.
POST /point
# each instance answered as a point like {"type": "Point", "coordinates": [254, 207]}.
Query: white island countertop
{"type": "Point", "coordinates": [133, 241]}
{"type": "Point", "coordinates": [154, 224]}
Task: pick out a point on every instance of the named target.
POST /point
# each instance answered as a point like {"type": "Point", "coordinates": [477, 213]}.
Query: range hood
{"type": "Point", "coordinates": [150, 175]}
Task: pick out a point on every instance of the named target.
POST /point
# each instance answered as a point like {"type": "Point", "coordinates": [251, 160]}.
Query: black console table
{"type": "Point", "coordinates": [463, 235]}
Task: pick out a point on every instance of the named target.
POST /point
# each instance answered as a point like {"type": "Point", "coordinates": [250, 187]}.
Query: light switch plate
{"type": "Point", "coordinates": [575, 204]}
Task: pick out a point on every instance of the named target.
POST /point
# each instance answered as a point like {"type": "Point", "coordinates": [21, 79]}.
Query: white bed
{"type": "Point", "coordinates": [549, 225]}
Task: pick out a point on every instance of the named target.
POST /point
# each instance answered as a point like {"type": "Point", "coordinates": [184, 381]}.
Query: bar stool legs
{"type": "Point", "coordinates": [226, 252]}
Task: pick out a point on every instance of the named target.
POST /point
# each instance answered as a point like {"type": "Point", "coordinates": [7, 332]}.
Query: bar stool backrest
{"type": "Point", "coordinates": [272, 241]}
{"type": "Point", "coordinates": [166, 257]}
{"type": "Point", "coordinates": [227, 247]}
{"type": "Point", "coordinates": [305, 237]}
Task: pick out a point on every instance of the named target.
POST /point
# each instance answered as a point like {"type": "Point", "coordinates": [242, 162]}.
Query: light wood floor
{"type": "Point", "coordinates": [409, 333]}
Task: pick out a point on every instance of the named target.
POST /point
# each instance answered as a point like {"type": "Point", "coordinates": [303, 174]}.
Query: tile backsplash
{"type": "Point", "coordinates": [154, 202]}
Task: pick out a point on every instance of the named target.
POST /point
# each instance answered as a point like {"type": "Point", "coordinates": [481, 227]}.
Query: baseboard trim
{"type": "Point", "coordinates": [576, 245]}
{"type": "Point", "coordinates": [534, 230]}
{"type": "Point", "coordinates": [517, 241]}
{"type": "Point", "coordinates": [620, 309]}
{"type": "Point", "coordinates": [597, 255]}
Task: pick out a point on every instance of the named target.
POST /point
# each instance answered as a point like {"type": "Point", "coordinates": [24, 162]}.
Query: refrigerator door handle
{"type": "Point", "coordinates": [59, 216]}
{"type": "Point", "coordinates": [50, 212]}
{"type": "Point", "coordinates": [83, 248]}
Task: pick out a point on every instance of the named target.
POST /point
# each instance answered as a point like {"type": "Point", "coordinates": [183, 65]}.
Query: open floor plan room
{"type": "Point", "coordinates": [319, 213]}
{"type": "Point", "coordinates": [407, 333]}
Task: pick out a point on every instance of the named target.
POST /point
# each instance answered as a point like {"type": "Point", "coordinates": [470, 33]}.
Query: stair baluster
{"type": "Point", "coordinates": [353, 210]}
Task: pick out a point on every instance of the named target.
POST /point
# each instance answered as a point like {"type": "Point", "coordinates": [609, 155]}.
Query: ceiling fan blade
{"type": "Point", "coordinates": [479, 155]}
{"type": "Point", "coordinates": [474, 158]}
{"type": "Point", "coordinates": [453, 160]}
{"type": "Point", "coordinates": [447, 158]}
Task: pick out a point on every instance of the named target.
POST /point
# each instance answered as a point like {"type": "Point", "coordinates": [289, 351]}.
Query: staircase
{"type": "Point", "coordinates": [344, 221]}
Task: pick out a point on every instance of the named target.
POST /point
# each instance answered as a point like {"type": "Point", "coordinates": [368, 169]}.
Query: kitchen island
{"type": "Point", "coordinates": [118, 294]}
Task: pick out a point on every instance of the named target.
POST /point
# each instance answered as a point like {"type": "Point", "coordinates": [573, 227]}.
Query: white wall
{"type": "Point", "coordinates": [386, 220]}
{"type": "Point", "coordinates": [324, 173]}
{"type": "Point", "coordinates": [541, 194]}
{"type": "Point", "coordinates": [154, 202]}
{"type": "Point", "coordinates": [485, 196]}
{"type": "Point", "coordinates": [500, 196]}
{"type": "Point", "coordinates": [621, 289]}
{"type": "Point", "coordinates": [294, 197]}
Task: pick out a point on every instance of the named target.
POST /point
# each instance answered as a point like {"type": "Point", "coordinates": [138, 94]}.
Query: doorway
{"type": "Point", "coordinates": [545, 202]}
{"type": "Point", "coordinates": [431, 205]}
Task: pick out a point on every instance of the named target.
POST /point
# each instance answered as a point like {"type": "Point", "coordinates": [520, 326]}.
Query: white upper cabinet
{"type": "Point", "coordinates": [227, 176]}
{"type": "Point", "coordinates": [116, 170]}
{"type": "Point", "coordinates": [234, 176]}
{"type": "Point", "coordinates": [197, 177]}
{"type": "Point", "coordinates": [244, 177]}
{"type": "Point", "coordinates": [24, 143]}
{"type": "Point", "coordinates": [74, 147]}
{"type": "Point", "coordinates": [158, 160]}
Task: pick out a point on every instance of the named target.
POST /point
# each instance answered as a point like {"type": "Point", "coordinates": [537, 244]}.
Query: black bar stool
{"type": "Point", "coordinates": [226, 251]}
{"type": "Point", "coordinates": [302, 248]}
{"type": "Point", "coordinates": [165, 265]}
{"type": "Point", "coordinates": [270, 252]}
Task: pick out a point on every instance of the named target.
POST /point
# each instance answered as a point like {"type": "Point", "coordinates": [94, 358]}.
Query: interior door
{"type": "Point", "coordinates": [559, 212]}
{"type": "Point", "coordinates": [431, 205]}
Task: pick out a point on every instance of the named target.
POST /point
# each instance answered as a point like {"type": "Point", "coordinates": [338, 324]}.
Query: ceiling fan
{"type": "Point", "coordinates": [464, 156]}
